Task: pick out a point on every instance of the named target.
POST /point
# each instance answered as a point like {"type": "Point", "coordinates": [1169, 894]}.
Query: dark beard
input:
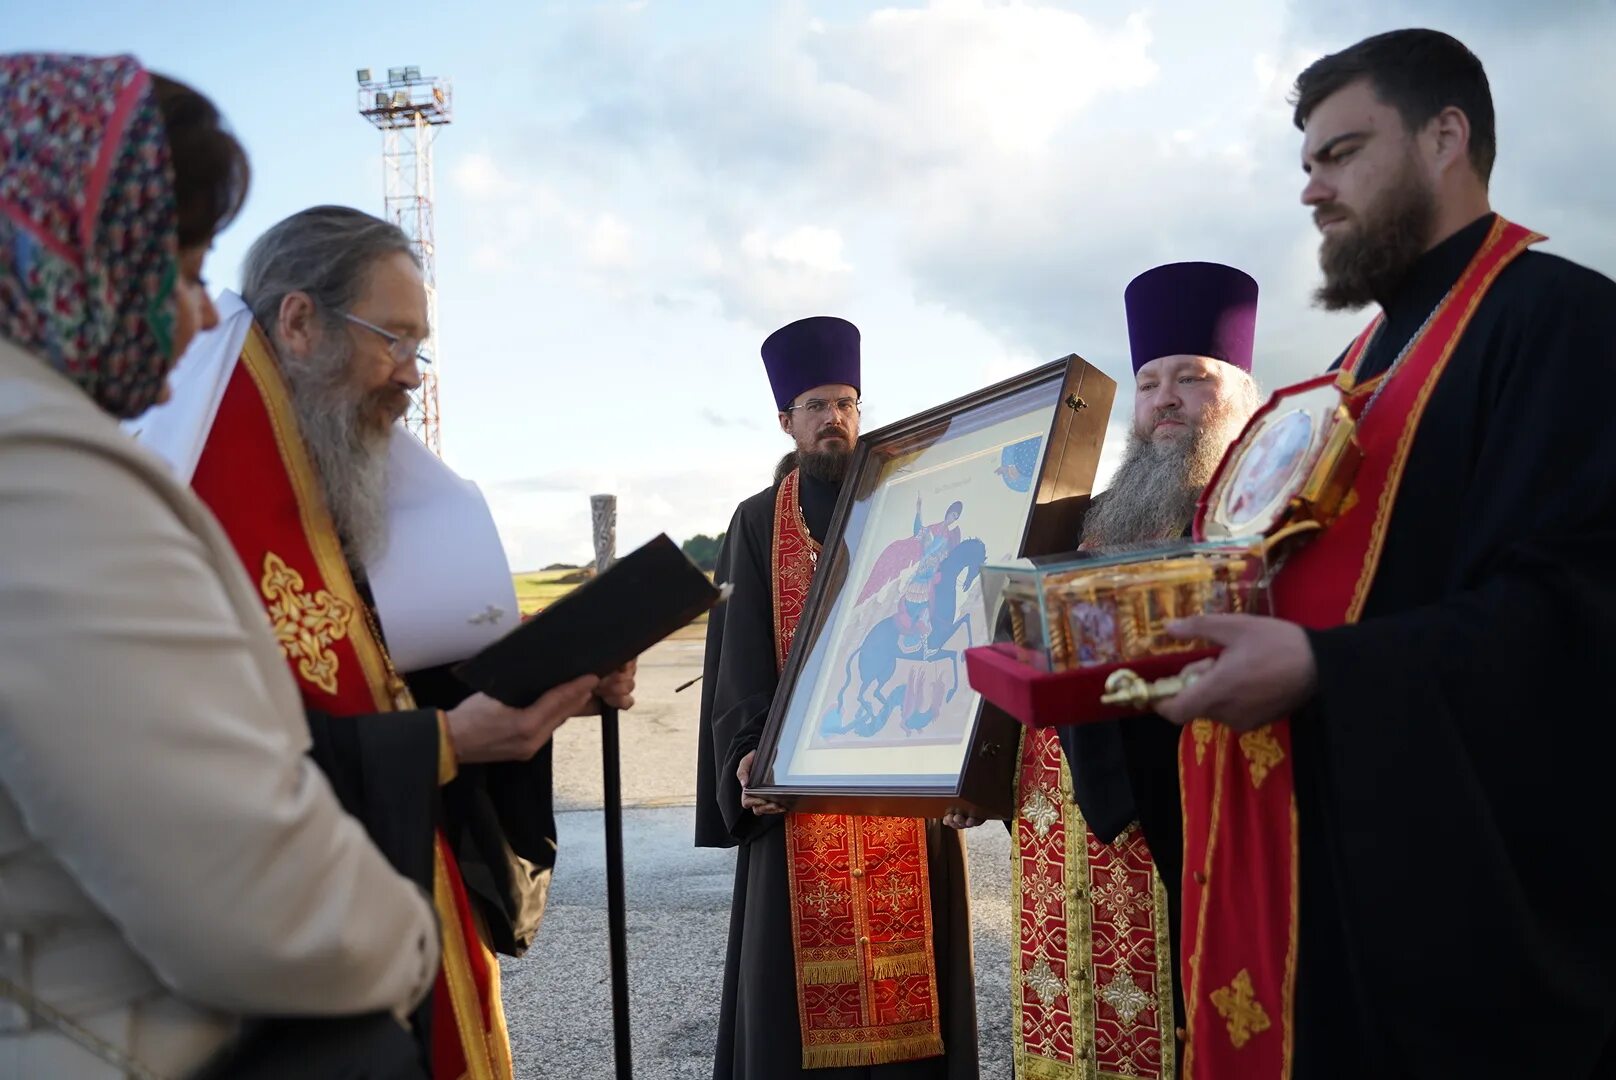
{"type": "Point", "coordinates": [1369, 262]}
{"type": "Point", "coordinates": [1155, 489]}
{"type": "Point", "coordinates": [827, 465]}
{"type": "Point", "coordinates": [346, 432]}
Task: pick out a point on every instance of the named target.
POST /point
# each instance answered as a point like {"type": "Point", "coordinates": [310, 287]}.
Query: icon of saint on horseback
{"type": "Point", "coordinates": [934, 566]}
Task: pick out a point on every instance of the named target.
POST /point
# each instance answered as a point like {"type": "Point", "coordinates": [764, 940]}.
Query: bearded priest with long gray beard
{"type": "Point", "coordinates": [316, 359]}
{"type": "Point", "coordinates": [1116, 1008]}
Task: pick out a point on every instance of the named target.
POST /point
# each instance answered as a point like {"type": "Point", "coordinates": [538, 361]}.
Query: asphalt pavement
{"type": "Point", "coordinates": [558, 997]}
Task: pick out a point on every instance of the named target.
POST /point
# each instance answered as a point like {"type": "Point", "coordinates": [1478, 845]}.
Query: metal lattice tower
{"type": "Point", "coordinates": [408, 108]}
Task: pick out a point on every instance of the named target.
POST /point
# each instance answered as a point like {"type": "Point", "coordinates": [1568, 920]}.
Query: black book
{"type": "Point", "coordinates": [597, 628]}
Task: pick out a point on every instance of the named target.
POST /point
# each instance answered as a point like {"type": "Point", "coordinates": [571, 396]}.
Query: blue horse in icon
{"type": "Point", "coordinates": [918, 636]}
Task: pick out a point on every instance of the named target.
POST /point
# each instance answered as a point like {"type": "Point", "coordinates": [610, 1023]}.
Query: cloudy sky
{"type": "Point", "coordinates": [633, 195]}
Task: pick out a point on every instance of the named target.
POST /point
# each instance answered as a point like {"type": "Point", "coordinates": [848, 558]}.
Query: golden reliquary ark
{"type": "Point", "coordinates": [1091, 609]}
{"type": "Point", "coordinates": [1288, 475]}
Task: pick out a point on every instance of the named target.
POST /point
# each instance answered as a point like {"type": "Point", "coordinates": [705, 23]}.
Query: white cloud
{"type": "Point", "coordinates": [493, 257]}
{"type": "Point", "coordinates": [856, 105]}
{"type": "Point", "coordinates": [767, 277]}
{"type": "Point", "coordinates": [809, 247]}
{"type": "Point", "coordinates": [514, 213]}
{"type": "Point", "coordinates": [1017, 161]}
{"type": "Point", "coordinates": [608, 242]}
{"type": "Point", "coordinates": [966, 164]}
{"type": "Point", "coordinates": [545, 518]}
{"type": "Point", "coordinates": [1012, 74]}
{"type": "Point", "coordinates": [1265, 70]}
{"type": "Point", "coordinates": [854, 125]}
{"type": "Point", "coordinates": [481, 177]}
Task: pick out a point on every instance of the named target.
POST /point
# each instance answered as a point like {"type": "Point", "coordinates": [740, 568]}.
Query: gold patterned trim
{"type": "Point", "coordinates": [1041, 979]}
{"type": "Point", "coordinates": [1193, 966]}
{"type": "Point", "coordinates": [1041, 811]}
{"type": "Point", "coordinates": [1018, 977]}
{"type": "Point", "coordinates": [1262, 751]}
{"type": "Point", "coordinates": [830, 972]}
{"type": "Point", "coordinates": [1202, 731]}
{"type": "Point", "coordinates": [1126, 997]}
{"type": "Point", "coordinates": [1165, 976]}
{"type": "Point", "coordinates": [306, 624]}
{"type": "Point", "coordinates": [896, 967]}
{"type": "Point", "coordinates": [448, 762]}
{"type": "Point", "coordinates": [1080, 900]}
{"type": "Point", "coordinates": [457, 975]}
{"type": "Point", "coordinates": [786, 494]}
{"type": "Point", "coordinates": [1238, 1005]}
{"type": "Point", "coordinates": [498, 1036]}
{"type": "Point", "coordinates": [856, 1054]}
{"type": "Point", "coordinates": [1080, 921]}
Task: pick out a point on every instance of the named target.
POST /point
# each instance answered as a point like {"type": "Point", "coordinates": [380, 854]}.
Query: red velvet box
{"type": "Point", "coordinates": [1054, 698]}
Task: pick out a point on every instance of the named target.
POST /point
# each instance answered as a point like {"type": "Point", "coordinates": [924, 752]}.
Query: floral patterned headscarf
{"type": "Point", "coordinates": [89, 252]}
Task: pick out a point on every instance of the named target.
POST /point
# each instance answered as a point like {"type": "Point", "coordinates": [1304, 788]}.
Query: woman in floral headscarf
{"type": "Point", "coordinates": [170, 861]}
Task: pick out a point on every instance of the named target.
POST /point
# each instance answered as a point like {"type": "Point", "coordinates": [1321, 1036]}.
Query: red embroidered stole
{"type": "Point", "coordinates": [256, 476]}
{"type": "Point", "coordinates": [860, 891]}
{"type": "Point", "coordinates": [1091, 977]}
{"type": "Point", "coordinates": [1240, 829]}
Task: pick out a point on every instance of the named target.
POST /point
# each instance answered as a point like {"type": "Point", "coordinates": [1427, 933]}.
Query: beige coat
{"type": "Point", "coordinates": [169, 858]}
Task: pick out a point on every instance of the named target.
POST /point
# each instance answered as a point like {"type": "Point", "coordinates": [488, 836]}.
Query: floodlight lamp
{"type": "Point", "coordinates": [362, 76]}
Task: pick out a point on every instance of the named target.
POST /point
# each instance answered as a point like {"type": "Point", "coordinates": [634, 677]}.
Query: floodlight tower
{"type": "Point", "coordinates": [408, 108]}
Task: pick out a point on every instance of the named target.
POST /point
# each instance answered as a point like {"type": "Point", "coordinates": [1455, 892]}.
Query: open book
{"type": "Point", "coordinates": [598, 627]}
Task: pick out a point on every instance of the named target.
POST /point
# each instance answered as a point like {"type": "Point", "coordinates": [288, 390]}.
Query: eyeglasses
{"type": "Point", "coordinates": [818, 407]}
{"type": "Point", "coordinates": [403, 349]}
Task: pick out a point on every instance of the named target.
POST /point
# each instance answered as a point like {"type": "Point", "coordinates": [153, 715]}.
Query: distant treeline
{"type": "Point", "coordinates": [703, 550]}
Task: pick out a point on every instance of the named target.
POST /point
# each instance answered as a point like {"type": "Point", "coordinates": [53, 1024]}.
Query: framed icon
{"type": "Point", "coordinates": [874, 713]}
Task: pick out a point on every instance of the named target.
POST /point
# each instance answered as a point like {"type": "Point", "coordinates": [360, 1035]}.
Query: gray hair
{"type": "Point", "coordinates": [1243, 392]}
{"type": "Point", "coordinates": [325, 252]}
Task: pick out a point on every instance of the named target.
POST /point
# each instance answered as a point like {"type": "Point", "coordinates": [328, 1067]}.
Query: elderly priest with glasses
{"type": "Point", "coordinates": [379, 568]}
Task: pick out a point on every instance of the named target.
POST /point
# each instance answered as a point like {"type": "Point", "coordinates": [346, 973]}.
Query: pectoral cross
{"type": "Point", "coordinates": [491, 614]}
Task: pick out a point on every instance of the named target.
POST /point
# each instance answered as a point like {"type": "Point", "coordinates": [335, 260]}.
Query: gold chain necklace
{"type": "Point", "coordinates": [397, 689]}
{"type": "Point", "coordinates": [1408, 347]}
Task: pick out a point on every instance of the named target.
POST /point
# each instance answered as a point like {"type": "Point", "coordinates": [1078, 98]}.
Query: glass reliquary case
{"type": "Point", "coordinates": [1082, 609]}
{"type": "Point", "coordinates": [1078, 637]}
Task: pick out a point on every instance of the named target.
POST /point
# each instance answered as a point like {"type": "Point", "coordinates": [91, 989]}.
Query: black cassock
{"type": "Point", "coordinates": [759, 1036]}
{"type": "Point", "coordinates": [498, 819]}
{"type": "Point", "coordinates": [1454, 767]}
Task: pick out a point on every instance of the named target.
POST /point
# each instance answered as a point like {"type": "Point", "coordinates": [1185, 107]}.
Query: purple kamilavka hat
{"type": "Point", "coordinates": [811, 352]}
{"type": "Point", "coordinates": [1193, 309]}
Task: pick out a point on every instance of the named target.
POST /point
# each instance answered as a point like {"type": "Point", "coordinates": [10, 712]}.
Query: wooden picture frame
{"type": "Point", "coordinates": [874, 714]}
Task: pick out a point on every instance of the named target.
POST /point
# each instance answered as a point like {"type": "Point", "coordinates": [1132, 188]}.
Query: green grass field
{"type": "Point", "coordinates": [540, 588]}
